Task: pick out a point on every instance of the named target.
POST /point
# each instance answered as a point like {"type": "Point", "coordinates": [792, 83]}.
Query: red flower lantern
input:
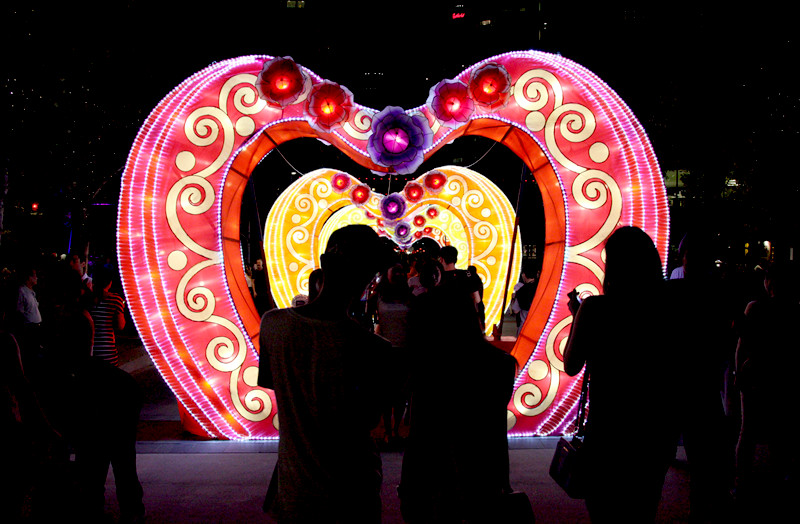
{"type": "Point", "coordinates": [432, 212]}
{"type": "Point", "coordinates": [417, 234]}
{"type": "Point", "coordinates": [434, 181]}
{"type": "Point", "coordinates": [413, 192]}
{"type": "Point", "coordinates": [419, 220]}
{"type": "Point", "coordinates": [340, 182]}
{"type": "Point", "coordinates": [450, 102]}
{"type": "Point", "coordinates": [281, 82]}
{"type": "Point", "coordinates": [329, 105]}
{"type": "Point", "coordinates": [360, 194]}
{"type": "Point", "coordinates": [489, 85]}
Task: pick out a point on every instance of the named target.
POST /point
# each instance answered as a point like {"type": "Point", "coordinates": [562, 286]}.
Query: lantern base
{"type": "Point", "coordinates": [190, 424]}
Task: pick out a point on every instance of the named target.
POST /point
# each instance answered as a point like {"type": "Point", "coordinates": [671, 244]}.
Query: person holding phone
{"type": "Point", "coordinates": [620, 338]}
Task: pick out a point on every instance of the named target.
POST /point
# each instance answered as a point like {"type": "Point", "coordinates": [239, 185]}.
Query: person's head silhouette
{"type": "Point", "coordinates": [633, 264]}
{"type": "Point", "coordinates": [353, 256]}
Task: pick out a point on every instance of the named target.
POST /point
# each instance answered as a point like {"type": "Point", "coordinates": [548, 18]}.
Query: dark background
{"type": "Point", "coordinates": [712, 84]}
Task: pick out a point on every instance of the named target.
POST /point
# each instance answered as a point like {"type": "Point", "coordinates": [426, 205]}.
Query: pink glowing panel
{"type": "Point", "coordinates": [182, 188]}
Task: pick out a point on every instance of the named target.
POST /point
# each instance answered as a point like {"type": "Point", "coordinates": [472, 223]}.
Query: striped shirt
{"type": "Point", "coordinates": [103, 314]}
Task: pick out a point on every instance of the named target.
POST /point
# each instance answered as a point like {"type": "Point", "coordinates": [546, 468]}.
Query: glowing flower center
{"type": "Point", "coordinates": [392, 207]}
{"type": "Point", "coordinates": [341, 182]}
{"type": "Point", "coordinates": [396, 140]}
{"type": "Point", "coordinates": [489, 86]}
{"type": "Point", "coordinates": [359, 194]}
{"type": "Point", "coordinates": [453, 104]}
{"type": "Point", "coordinates": [283, 83]}
{"type": "Point", "coordinates": [328, 106]}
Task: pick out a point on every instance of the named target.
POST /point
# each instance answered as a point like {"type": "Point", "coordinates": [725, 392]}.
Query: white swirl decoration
{"type": "Point", "coordinates": [575, 123]}
{"type": "Point", "coordinates": [531, 93]}
{"type": "Point", "coordinates": [192, 194]}
{"type": "Point", "coordinates": [592, 189]}
{"type": "Point", "coordinates": [361, 127]}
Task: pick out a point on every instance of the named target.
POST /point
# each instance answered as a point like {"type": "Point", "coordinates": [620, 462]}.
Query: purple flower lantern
{"type": "Point", "coordinates": [393, 207]}
{"type": "Point", "coordinates": [450, 102]}
{"type": "Point", "coordinates": [399, 140]}
{"type": "Point", "coordinates": [402, 233]}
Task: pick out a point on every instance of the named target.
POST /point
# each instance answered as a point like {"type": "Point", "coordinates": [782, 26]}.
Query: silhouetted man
{"type": "Point", "coordinates": [325, 369]}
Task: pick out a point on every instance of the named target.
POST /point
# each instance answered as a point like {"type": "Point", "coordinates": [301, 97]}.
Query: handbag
{"type": "Point", "coordinates": [568, 467]}
{"type": "Point", "coordinates": [516, 507]}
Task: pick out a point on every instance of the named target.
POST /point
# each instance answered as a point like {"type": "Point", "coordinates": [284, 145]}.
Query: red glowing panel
{"type": "Point", "coordinates": [187, 172]}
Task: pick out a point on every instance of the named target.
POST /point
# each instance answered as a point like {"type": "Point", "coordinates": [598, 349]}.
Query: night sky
{"type": "Point", "coordinates": [714, 89]}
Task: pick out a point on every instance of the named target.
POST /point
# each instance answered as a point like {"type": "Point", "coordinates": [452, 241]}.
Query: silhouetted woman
{"type": "Point", "coordinates": [620, 337]}
{"type": "Point", "coordinates": [394, 296]}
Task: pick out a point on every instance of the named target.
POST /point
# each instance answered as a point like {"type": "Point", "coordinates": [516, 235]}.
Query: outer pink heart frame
{"type": "Point", "coordinates": [179, 248]}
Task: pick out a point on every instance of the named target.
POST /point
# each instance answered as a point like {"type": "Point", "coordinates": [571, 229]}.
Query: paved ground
{"type": "Point", "coordinates": [190, 480]}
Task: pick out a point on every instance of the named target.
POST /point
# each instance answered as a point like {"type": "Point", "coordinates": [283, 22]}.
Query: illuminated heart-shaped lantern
{"type": "Point", "coordinates": [451, 205]}
{"type": "Point", "coordinates": [180, 253]}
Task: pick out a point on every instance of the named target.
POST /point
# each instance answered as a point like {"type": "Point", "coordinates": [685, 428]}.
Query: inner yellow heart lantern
{"type": "Point", "coordinates": [179, 247]}
{"type": "Point", "coordinates": [451, 205]}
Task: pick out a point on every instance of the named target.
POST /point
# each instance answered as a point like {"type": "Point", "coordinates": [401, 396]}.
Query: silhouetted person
{"type": "Point", "coordinates": [100, 407]}
{"type": "Point", "coordinates": [107, 406]}
{"type": "Point", "coordinates": [323, 367]}
{"type": "Point", "coordinates": [77, 262]}
{"type": "Point", "coordinates": [525, 293]}
{"type": "Point", "coordinates": [314, 284]}
{"type": "Point", "coordinates": [620, 336]}
{"type": "Point", "coordinates": [27, 437]}
{"type": "Point", "coordinates": [460, 278]}
{"type": "Point", "coordinates": [454, 475]}
{"type": "Point", "coordinates": [27, 320]}
{"type": "Point", "coordinates": [108, 312]}
{"type": "Point", "coordinates": [701, 320]}
{"type": "Point", "coordinates": [393, 299]}
{"type": "Point", "coordinates": [261, 287]}
{"type": "Point", "coordinates": [767, 361]}
{"type": "Point", "coordinates": [477, 283]}
{"type": "Point", "coordinates": [429, 275]}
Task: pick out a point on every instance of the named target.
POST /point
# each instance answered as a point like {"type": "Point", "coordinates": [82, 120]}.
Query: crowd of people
{"type": "Point", "coordinates": [73, 412]}
{"type": "Point", "coordinates": [669, 362]}
{"type": "Point", "coordinates": [321, 359]}
{"type": "Point", "coordinates": [357, 365]}
{"type": "Point", "coordinates": [665, 363]}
